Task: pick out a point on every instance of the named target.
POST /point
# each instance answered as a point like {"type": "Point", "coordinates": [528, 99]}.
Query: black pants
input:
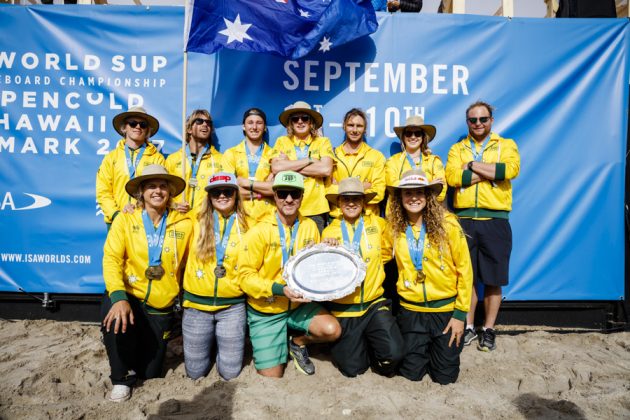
{"type": "Point", "coordinates": [138, 353]}
{"type": "Point", "coordinates": [371, 339]}
{"type": "Point", "coordinates": [426, 348]}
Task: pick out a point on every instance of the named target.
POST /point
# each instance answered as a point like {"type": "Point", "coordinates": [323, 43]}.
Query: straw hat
{"type": "Point", "coordinates": [416, 121]}
{"type": "Point", "coordinates": [302, 108]}
{"type": "Point", "coordinates": [139, 112]}
{"type": "Point", "coordinates": [350, 186]}
{"type": "Point", "coordinates": [416, 179]}
{"type": "Point", "coordinates": [154, 171]}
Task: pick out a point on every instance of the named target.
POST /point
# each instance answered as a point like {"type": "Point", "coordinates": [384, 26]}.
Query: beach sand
{"type": "Point", "coordinates": [59, 370]}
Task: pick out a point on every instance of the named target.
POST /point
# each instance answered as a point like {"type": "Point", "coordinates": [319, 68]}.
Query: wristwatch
{"type": "Point", "coordinates": [470, 164]}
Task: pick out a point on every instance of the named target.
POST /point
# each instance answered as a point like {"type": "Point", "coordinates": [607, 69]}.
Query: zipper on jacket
{"type": "Point", "coordinates": [146, 297]}
{"type": "Point", "coordinates": [424, 292]}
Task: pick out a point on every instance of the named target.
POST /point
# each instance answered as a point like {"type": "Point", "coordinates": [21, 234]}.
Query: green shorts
{"type": "Point", "coordinates": [268, 332]}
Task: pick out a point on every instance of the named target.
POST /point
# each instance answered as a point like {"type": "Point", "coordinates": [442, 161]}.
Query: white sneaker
{"type": "Point", "coordinates": [120, 393]}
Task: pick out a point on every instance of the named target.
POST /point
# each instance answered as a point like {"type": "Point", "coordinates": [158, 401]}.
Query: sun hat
{"type": "Point", "coordinates": [222, 180]}
{"type": "Point", "coordinates": [416, 179]}
{"type": "Point", "coordinates": [303, 108]}
{"type": "Point", "coordinates": [288, 179]}
{"type": "Point", "coordinates": [416, 121]}
{"type": "Point", "coordinates": [135, 111]}
{"type": "Point", "coordinates": [155, 171]}
{"type": "Point", "coordinates": [350, 186]}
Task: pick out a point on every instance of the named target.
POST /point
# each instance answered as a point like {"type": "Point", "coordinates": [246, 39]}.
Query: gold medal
{"type": "Point", "coordinates": [421, 277]}
{"type": "Point", "coordinates": [193, 182]}
{"type": "Point", "coordinates": [154, 272]}
{"type": "Point", "coordinates": [219, 271]}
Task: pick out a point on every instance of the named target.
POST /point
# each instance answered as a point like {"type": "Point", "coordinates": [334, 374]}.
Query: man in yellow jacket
{"type": "Point", "coordinates": [480, 169]}
{"type": "Point", "coordinates": [132, 154]}
{"type": "Point", "coordinates": [273, 307]}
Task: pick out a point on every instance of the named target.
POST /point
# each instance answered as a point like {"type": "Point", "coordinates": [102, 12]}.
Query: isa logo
{"type": "Point", "coordinates": [24, 201]}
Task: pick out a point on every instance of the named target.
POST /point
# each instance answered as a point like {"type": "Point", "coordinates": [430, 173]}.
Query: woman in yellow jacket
{"type": "Point", "coordinates": [355, 158]}
{"type": "Point", "coordinates": [415, 137]}
{"type": "Point", "coordinates": [434, 279]}
{"type": "Point", "coordinates": [142, 265]}
{"type": "Point", "coordinates": [214, 304]}
{"type": "Point", "coordinates": [370, 335]}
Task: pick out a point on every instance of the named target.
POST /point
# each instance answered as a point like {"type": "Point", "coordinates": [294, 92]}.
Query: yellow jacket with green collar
{"type": "Point", "coordinates": [376, 250]}
{"type": "Point", "coordinates": [486, 199]}
{"type": "Point", "coordinates": [314, 201]}
{"type": "Point", "coordinates": [235, 161]}
{"type": "Point", "coordinates": [209, 165]}
{"type": "Point", "coordinates": [113, 175]}
{"type": "Point", "coordinates": [260, 263]}
{"type": "Point", "coordinates": [367, 165]}
{"type": "Point", "coordinates": [126, 258]}
{"type": "Point", "coordinates": [202, 289]}
{"type": "Point", "coordinates": [449, 277]}
{"type": "Point", "coordinates": [398, 164]}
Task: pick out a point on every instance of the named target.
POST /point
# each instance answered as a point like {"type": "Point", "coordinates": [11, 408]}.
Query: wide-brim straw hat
{"type": "Point", "coordinates": [139, 112]}
{"type": "Point", "coordinates": [176, 183]}
{"type": "Point", "coordinates": [222, 180]}
{"type": "Point", "coordinates": [350, 186]}
{"type": "Point", "coordinates": [302, 108]}
{"type": "Point", "coordinates": [416, 121]}
{"type": "Point", "coordinates": [416, 179]}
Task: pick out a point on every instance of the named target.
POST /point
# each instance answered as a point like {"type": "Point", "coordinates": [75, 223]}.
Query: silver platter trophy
{"type": "Point", "coordinates": [322, 272]}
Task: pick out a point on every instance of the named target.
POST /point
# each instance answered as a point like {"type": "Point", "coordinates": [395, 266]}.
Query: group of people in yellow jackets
{"type": "Point", "coordinates": [215, 231]}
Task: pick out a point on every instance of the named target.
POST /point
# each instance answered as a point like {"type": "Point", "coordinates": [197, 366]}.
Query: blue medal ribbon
{"type": "Point", "coordinates": [412, 163]}
{"type": "Point", "coordinates": [478, 156]}
{"type": "Point", "coordinates": [194, 166]}
{"type": "Point", "coordinates": [221, 240]}
{"type": "Point", "coordinates": [132, 163]}
{"type": "Point", "coordinates": [155, 237]}
{"type": "Point", "coordinates": [416, 246]}
{"type": "Point", "coordinates": [253, 159]}
{"type": "Point", "coordinates": [287, 252]}
{"type": "Point", "coordinates": [353, 244]}
{"type": "Point", "coordinates": [302, 152]}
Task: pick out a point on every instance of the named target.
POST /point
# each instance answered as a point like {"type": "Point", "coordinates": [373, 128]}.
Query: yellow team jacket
{"type": "Point", "coordinates": [314, 201]}
{"type": "Point", "coordinates": [260, 263]}
{"type": "Point", "coordinates": [449, 277]}
{"type": "Point", "coordinates": [126, 257]}
{"type": "Point", "coordinates": [430, 164]}
{"type": "Point", "coordinates": [202, 290]}
{"type": "Point", "coordinates": [235, 161]}
{"type": "Point", "coordinates": [484, 199]}
{"type": "Point", "coordinates": [376, 250]}
{"type": "Point", "coordinates": [368, 165]}
{"type": "Point", "coordinates": [113, 175]}
{"type": "Point", "coordinates": [209, 165]}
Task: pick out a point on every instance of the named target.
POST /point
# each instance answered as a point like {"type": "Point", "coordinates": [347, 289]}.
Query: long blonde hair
{"type": "Point", "coordinates": [432, 216]}
{"type": "Point", "coordinates": [205, 243]}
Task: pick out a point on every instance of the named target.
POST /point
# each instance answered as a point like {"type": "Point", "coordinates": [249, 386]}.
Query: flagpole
{"type": "Point", "coordinates": [184, 103]}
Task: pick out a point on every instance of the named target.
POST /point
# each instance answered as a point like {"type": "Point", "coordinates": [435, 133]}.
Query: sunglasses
{"type": "Point", "coordinates": [482, 120]}
{"type": "Point", "coordinates": [283, 194]}
{"type": "Point", "coordinates": [298, 118]}
{"type": "Point", "coordinates": [226, 192]}
{"type": "Point", "coordinates": [134, 124]}
{"type": "Point", "coordinates": [200, 121]}
{"type": "Point", "coordinates": [417, 133]}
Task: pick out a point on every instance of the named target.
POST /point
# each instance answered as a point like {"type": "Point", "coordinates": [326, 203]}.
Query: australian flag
{"type": "Point", "coordinates": [290, 28]}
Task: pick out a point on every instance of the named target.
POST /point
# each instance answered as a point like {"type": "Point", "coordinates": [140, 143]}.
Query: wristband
{"type": "Point", "coordinates": [470, 165]}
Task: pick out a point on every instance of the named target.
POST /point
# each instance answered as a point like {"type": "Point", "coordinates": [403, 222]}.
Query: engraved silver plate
{"type": "Point", "coordinates": [322, 272]}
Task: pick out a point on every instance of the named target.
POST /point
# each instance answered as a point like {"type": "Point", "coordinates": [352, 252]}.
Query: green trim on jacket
{"type": "Point", "coordinates": [211, 300]}
{"type": "Point", "coordinates": [499, 172]}
{"type": "Point", "coordinates": [432, 303]}
{"type": "Point", "coordinates": [486, 213]}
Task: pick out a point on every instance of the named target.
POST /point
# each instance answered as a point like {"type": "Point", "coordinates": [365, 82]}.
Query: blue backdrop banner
{"type": "Point", "coordinates": [560, 87]}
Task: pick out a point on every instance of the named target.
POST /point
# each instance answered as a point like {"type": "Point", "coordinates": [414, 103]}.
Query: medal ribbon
{"type": "Point", "coordinates": [155, 237]}
{"type": "Point", "coordinates": [412, 163]}
{"type": "Point", "coordinates": [253, 159]}
{"type": "Point", "coordinates": [194, 166]}
{"type": "Point", "coordinates": [353, 244]}
{"type": "Point", "coordinates": [221, 240]}
{"type": "Point", "coordinates": [132, 163]}
{"type": "Point", "coordinates": [416, 246]}
{"type": "Point", "coordinates": [478, 156]}
{"type": "Point", "coordinates": [286, 252]}
{"type": "Point", "coordinates": [302, 152]}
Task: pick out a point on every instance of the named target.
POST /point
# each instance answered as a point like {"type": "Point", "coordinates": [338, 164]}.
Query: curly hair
{"type": "Point", "coordinates": [432, 215]}
{"type": "Point", "coordinates": [205, 243]}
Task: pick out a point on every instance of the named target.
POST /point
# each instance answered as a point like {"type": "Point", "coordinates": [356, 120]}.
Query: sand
{"type": "Point", "coordinates": [59, 370]}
